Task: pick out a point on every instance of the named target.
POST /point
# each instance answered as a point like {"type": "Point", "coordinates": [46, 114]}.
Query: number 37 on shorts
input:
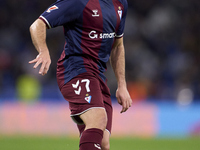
{"type": "Point", "coordinates": [77, 86]}
{"type": "Point", "coordinates": [83, 90]}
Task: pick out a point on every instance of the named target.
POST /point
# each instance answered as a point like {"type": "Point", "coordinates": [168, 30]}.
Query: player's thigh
{"type": "Point", "coordinates": [95, 118]}
{"type": "Point", "coordinates": [108, 107]}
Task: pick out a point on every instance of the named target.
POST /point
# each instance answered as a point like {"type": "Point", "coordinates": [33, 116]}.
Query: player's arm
{"type": "Point", "coordinates": [38, 36]}
{"type": "Point", "coordinates": [117, 60]}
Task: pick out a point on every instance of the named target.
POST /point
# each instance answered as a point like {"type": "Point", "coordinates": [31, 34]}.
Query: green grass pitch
{"type": "Point", "coordinates": [67, 143]}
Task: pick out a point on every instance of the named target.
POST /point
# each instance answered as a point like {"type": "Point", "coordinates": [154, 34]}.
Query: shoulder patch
{"type": "Point", "coordinates": [54, 7]}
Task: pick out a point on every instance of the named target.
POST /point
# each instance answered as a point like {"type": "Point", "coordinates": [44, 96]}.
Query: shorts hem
{"type": "Point", "coordinates": [108, 131]}
{"type": "Point", "coordinates": [73, 115]}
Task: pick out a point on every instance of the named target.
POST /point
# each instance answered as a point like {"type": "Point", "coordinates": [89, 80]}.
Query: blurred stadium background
{"type": "Point", "coordinates": [162, 41]}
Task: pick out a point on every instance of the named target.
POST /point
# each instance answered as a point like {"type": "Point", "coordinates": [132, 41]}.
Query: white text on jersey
{"type": "Point", "coordinates": [93, 35]}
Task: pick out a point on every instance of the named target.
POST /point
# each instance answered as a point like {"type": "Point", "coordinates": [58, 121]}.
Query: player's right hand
{"type": "Point", "coordinates": [44, 59]}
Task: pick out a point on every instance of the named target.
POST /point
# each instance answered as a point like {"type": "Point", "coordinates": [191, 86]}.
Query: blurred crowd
{"type": "Point", "coordinates": [162, 42]}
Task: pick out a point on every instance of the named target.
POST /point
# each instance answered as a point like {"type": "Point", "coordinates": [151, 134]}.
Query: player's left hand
{"type": "Point", "coordinates": [44, 59]}
{"type": "Point", "coordinates": [123, 98]}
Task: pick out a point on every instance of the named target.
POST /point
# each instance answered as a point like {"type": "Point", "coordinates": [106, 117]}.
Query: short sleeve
{"type": "Point", "coordinates": [120, 31]}
{"type": "Point", "coordinates": [62, 12]}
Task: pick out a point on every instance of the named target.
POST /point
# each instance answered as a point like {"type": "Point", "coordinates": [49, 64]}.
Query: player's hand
{"type": "Point", "coordinates": [123, 98]}
{"type": "Point", "coordinates": [44, 59]}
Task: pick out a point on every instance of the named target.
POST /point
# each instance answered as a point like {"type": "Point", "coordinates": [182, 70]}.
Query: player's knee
{"type": "Point", "coordinates": [105, 146]}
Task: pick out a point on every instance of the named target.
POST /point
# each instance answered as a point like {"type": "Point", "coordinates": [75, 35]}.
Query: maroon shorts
{"type": "Point", "coordinates": [87, 91]}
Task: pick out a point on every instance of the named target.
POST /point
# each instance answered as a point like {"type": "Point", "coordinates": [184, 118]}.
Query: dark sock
{"type": "Point", "coordinates": [91, 139]}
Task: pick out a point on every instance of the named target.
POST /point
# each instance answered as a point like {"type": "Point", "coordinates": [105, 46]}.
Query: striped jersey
{"type": "Point", "coordinates": [90, 28]}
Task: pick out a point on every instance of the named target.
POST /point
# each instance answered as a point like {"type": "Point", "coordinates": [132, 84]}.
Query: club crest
{"type": "Point", "coordinates": [88, 98]}
{"type": "Point", "coordinates": [120, 12]}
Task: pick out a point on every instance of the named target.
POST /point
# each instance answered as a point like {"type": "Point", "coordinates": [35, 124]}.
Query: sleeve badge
{"type": "Point", "coordinates": [54, 7]}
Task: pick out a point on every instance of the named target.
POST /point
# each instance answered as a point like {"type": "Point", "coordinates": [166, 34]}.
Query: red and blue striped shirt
{"type": "Point", "coordinates": [90, 28]}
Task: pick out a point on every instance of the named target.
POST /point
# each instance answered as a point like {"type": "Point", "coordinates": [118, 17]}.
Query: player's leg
{"type": "Point", "coordinates": [86, 103]}
{"type": "Point", "coordinates": [105, 144]}
{"type": "Point", "coordinates": [109, 111]}
{"type": "Point", "coordinates": [95, 121]}
{"type": "Point", "coordinates": [95, 118]}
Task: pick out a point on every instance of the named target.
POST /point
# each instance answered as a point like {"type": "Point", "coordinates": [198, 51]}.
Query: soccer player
{"type": "Point", "coordinates": [93, 32]}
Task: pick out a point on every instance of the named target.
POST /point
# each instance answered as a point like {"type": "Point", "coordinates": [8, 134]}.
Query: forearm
{"type": "Point", "coordinates": [38, 35]}
{"type": "Point", "coordinates": [117, 60]}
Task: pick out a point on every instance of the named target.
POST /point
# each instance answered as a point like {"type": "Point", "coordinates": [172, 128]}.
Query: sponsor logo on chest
{"type": "Point", "coordinates": [94, 35]}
